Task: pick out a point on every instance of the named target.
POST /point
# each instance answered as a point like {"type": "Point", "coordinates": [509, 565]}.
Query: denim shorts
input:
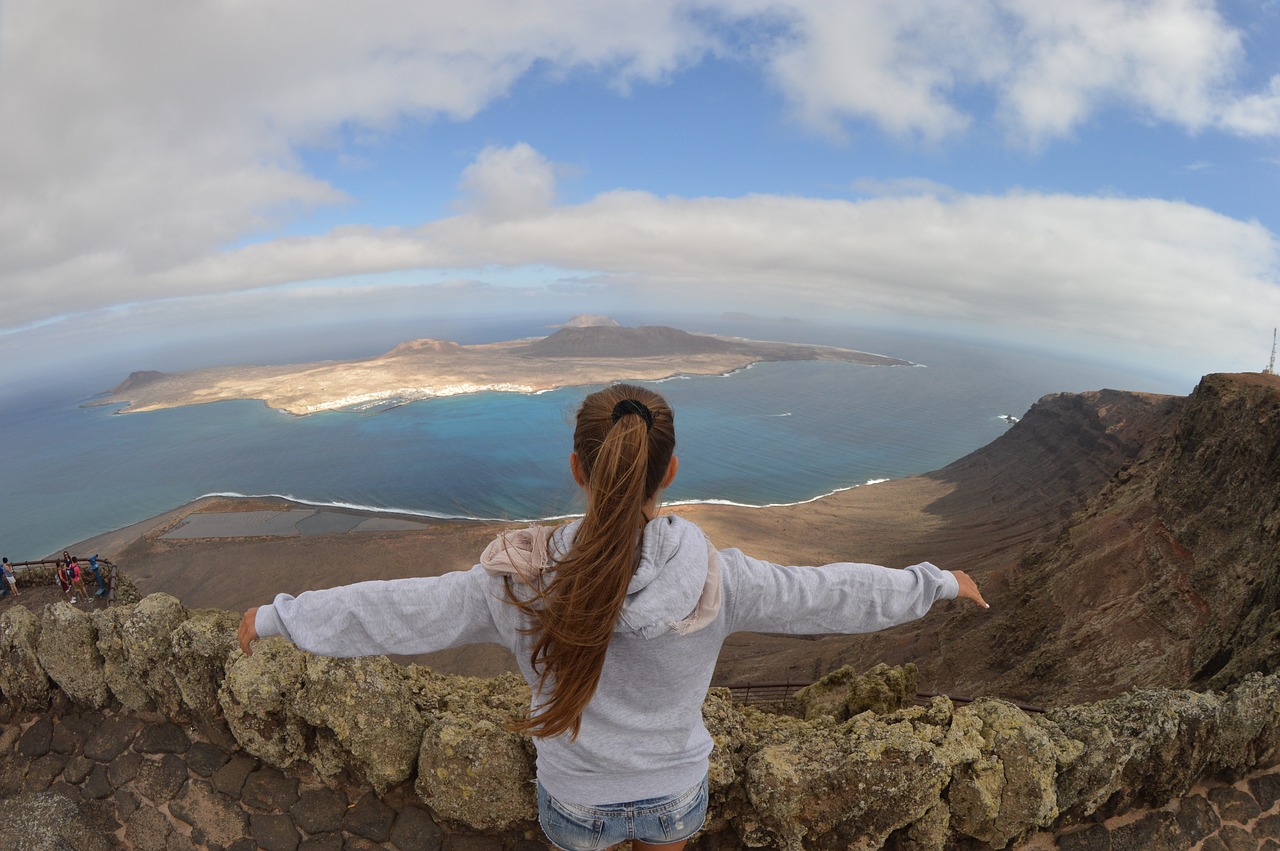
{"type": "Point", "coordinates": [578, 827]}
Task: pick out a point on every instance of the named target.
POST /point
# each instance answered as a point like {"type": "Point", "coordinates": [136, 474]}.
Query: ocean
{"type": "Point", "coordinates": [769, 434]}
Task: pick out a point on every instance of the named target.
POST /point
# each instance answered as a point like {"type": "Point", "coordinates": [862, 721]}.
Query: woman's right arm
{"type": "Point", "coordinates": [404, 616]}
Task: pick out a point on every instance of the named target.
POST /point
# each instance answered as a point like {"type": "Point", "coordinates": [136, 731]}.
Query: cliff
{"type": "Point", "coordinates": [914, 777]}
{"type": "Point", "coordinates": [1169, 575]}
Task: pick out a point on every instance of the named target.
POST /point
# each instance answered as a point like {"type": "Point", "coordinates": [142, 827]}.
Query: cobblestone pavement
{"type": "Point", "coordinates": [99, 780]}
{"type": "Point", "coordinates": [94, 780]}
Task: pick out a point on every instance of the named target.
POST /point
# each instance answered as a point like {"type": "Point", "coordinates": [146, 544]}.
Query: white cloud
{"type": "Point", "coordinates": [141, 138]}
{"type": "Point", "coordinates": [1256, 114]}
{"type": "Point", "coordinates": [1147, 274]}
{"type": "Point", "coordinates": [508, 182]}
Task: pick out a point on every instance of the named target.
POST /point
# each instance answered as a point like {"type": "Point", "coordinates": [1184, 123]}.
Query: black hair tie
{"type": "Point", "coordinates": [631, 406]}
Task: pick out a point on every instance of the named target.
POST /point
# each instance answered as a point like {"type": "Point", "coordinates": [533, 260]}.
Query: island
{"type": "Point", "coordinates": [585, 350]}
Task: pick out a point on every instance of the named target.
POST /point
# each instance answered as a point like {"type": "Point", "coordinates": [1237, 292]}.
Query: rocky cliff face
{"type": "Point", "coordinates": [1170, 574]}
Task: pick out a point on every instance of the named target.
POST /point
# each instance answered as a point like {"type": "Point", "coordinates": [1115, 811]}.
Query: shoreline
{"type": "Point", "coordinates": [420, 370]}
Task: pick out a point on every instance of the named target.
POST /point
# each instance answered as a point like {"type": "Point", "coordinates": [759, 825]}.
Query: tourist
{"type": "Point", "coordinates": [77, 581]}
{"type": "Point", "coordinates": [63, 578]}
{"type": "Point", "coordinates": [93, 567]}
{"type": "Point", "coordinates": [10, 581]}
{"type": "Point", "coordinates": [616, 621]}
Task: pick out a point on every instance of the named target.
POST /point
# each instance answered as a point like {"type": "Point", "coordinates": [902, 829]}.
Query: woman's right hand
{"type": "Point", "coordinates": [969, 589]}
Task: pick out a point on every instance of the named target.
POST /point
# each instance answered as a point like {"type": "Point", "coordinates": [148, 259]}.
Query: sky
{"type": "Point", "coordinates": [1097, 177]}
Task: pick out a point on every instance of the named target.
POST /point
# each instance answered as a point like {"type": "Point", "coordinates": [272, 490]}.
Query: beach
{"type": "Point", "coordinates": [234, 553]}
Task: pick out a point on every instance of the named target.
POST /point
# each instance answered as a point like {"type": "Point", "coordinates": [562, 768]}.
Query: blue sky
{"type": "Point", "coordinates": [1097, 177]}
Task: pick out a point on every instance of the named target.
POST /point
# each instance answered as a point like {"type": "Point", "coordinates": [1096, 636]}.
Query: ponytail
{"type": "Point", "coordinates": [624, 439]}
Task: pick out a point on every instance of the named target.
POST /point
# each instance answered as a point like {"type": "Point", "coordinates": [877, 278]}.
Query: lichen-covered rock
{"type": "Point", "coordinates": [257, 699]}
{"type": "Point", "coordinates": [473, 770]}
{"type": "Point", "coordinates": [202, 644]}
{"type": "Point", "coordinates": [124, 592]}
{"type": "Point", "coordinates": [23, 681]}
{"type": "Point", "coordinates": [844, 693]}
{"type": "Point", "coordinates": [1144, 747]}
{"type": "Point", "coordinates": [1249, 733]}
{"type": "Point", "coordinates": [1010, 788]}
{"type": "Point", "coordinates": [849, 785]}
{"type": "Point", "coordinates": [286, 706]}
{"type": "Point", "coordinates": [68, 651]}
{"type": "Point", "coordinates": [365, 707]}
{"type": "Point", "coordinates": [111, 645]}
{"type": "Point", "coordinates": [137, 646]}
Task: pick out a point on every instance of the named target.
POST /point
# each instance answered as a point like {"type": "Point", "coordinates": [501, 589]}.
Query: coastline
{"type": "Point", "coordinates": [425, 369]}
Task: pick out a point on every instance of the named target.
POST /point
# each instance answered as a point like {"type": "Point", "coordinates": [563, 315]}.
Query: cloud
{"type": "Point", "coordinates": [1144, 274]}
{"type": "Point", "coordinates": [141, 139]}
{"type": "Point", "coordinates": [508, 182]}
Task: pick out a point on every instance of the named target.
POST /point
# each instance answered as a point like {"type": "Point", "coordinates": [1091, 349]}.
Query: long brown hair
{"type": "Point", "coordinates": [623, 455]}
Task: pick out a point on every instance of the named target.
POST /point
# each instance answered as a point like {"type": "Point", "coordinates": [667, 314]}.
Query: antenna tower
{"type": "Point", "coordinates": [1271, 367]}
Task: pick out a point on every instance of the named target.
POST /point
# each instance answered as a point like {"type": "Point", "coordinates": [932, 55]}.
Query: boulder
{"type": "Point", "coordinates": [845, 693]}
{"type": "Point", "coordinates": [23, 681]}
{"type": "Point", "coordinates": [475, 771]}
{"type": "Point", "coordinates": [68, 651]}
{"type": "Point", "coordinates": [257, 698]}
{"type": "Point", "coordinates": [202, 644]}
{"type": "Point", "coordinates": [366, 709]}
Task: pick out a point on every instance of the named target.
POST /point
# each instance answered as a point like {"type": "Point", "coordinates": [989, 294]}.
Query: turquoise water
{"type": "Point", "coordinates": [774, 433]}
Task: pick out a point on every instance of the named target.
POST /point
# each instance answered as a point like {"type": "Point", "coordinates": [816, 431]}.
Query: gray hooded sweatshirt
{"type": "Point", "coordinates": [642, 734]}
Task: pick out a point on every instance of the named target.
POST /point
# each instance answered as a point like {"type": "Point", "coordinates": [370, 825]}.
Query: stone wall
{"type": "Point", "coordinates": [983, 775]}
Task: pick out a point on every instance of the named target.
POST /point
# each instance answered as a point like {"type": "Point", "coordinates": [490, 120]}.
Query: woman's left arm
{"type": "Point", "coordinates": [403, 616]}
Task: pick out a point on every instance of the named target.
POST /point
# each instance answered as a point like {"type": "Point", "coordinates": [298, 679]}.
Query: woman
{"type": "Point", "coordinates": [616, 621]}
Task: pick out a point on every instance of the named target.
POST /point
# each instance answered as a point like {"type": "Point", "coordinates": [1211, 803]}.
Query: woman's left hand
{"type": "Point", "coordinates": [248, 630]}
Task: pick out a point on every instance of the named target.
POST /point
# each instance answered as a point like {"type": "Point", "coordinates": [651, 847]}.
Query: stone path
{"type": "Point", "coordinates": [102, 780]}
{"type": "Point", "coordinates": [94, 780]}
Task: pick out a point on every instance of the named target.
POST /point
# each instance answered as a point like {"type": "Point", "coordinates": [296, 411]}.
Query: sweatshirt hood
{"type": "Point", "coordinates": [675, 588]}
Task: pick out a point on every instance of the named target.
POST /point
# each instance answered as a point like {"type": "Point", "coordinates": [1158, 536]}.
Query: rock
{"type": "Point", "coordinates": [1010, 788]}
{"type": "Point", "coordinates": [370, 818]}
{"type": "Point", "coordinates": [48, 821]}
{"type": "Point", "coordinates": [414, 830]}
{"type": "Point", "coordinates": [159, 780]}
{"type": "Point", "coordinates": [1196, 819]}
{"type": "Point", "coordinates": [112, 737]}
{"type": "Point", "coordinates": [1234, 804]}
{"type": "Point", "coordinates": [473, 770]}
{"type": "Point", "coordinates": [844, 693]}
{"type": "Point", "coordinates": [37, 739]}
{"type": "Point", "coordinates": [319, 810]}
{"type": "Point", "coordinates": [124, 768]}
{"type": "Point", "coordinates": [257, 699]}
{"type": "Point", "coordinates": [273, 832]}
{"type": "Point", "coordinates": [1144, 747]}
{"type": "Point", "coordinates": [204, 759]}
{"type": "Point", "coordinates": [43, 772]}
{"type": "Point", "coordinates": [146, 636]}
{"type": "Point", "coordinates": [23, 682]}
{"type": "Point", "coordinates": [147, 830]}
{"type": "Point", "coordinates": [861, 781]}
{"type": "Point", "coordinates": [202, 644]}
{"type": "Point", "coordinates": [166, 737]}
{"type": "Point", "coordinates": [268, 789]}
{"type": "Point", "coordinates": [368, 708]}
{"type": "Point", "coordinates": [322, 842]}
{"type": "Point", "coordinates": [285, 706]}
{"type": "Point", "coordinates": [67, 650]}
{"type": "Point", "coordinates": [126, 689]}
{"type": "Point", "coordinates": [215, 814]}
{"type": "Point", "coordinates": [230, 778]}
